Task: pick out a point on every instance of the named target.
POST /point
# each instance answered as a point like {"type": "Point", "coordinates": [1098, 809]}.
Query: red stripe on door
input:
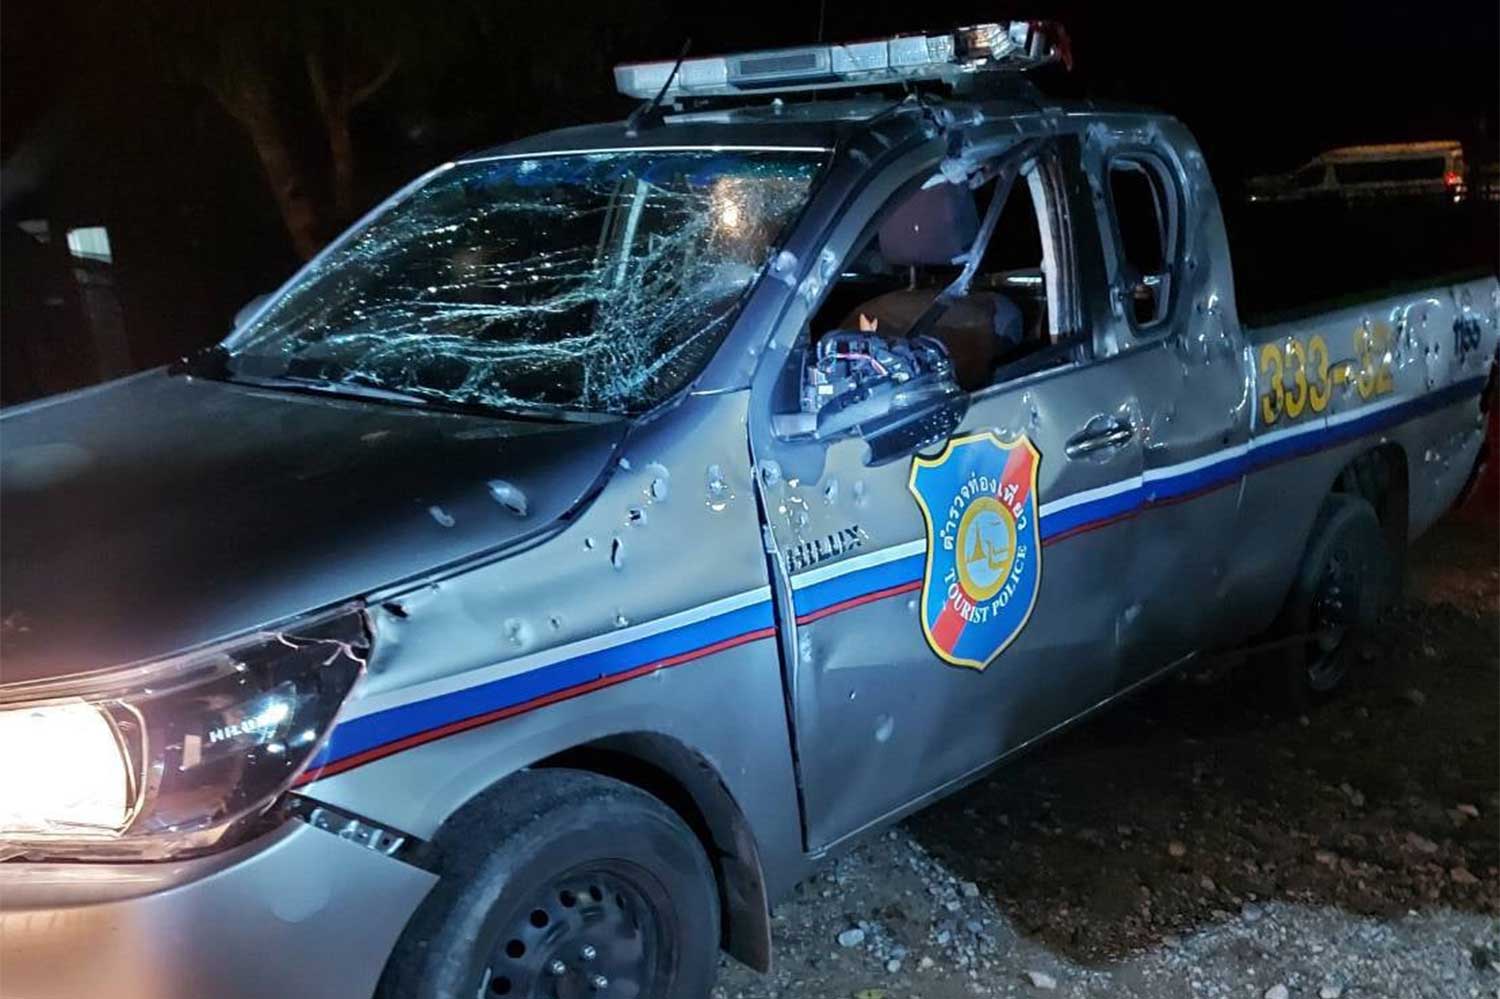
{"type": "Point", "coordinates": [949, 627]}
{"type": "Point", "coordinates": [1017, 473]}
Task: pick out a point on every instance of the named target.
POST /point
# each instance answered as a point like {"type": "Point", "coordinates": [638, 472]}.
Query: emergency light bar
{"type": "Point", "coordinates": [946, 58]}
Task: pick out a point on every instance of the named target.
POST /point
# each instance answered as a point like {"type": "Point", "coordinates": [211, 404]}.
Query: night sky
{"type": "Point", "coordinates": [102, 121]}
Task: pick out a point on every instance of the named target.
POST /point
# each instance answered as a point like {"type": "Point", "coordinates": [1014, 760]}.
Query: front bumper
{"type": "Point", "coordinates": [298, 912]}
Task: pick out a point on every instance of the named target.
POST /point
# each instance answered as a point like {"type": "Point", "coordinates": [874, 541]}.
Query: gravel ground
{"type": "Point", "coordinates": [1191, 844]}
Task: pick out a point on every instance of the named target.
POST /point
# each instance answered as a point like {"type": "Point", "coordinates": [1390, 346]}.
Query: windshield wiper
{"type": "Point", "coordinates": [350, 389]}
{"type": "Point", "coordinates": [325, 386]}
{"type": "Point", "coordinates": [476, 403]}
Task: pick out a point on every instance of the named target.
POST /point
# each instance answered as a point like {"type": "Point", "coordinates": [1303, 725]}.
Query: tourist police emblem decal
{"type": "Point", "coordinates": [984, 551]}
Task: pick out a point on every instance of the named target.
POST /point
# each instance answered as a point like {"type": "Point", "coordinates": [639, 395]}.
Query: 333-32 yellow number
{"type": "Point", "coordinates": [1372, 345]}
{"type": "Point", "coordinates": [1314, 376]}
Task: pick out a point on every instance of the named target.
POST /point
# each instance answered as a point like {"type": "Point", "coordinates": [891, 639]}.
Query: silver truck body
{"type": "Point", "coordinates": [740, 615]}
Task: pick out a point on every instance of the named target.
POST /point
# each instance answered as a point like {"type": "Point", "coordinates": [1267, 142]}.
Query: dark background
{"type": "Point", "coordinates": [135, 117]}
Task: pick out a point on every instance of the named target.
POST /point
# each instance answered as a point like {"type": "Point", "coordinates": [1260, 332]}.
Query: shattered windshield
{"type": "Point", "coordinates": [598, 282]}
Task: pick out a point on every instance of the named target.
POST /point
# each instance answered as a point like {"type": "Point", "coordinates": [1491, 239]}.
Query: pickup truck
{"type": "Point", "coordinates": [615, 523]}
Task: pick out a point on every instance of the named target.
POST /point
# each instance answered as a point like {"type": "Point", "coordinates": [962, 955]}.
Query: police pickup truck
{"type": "Point", "coordinates": [614, 523]}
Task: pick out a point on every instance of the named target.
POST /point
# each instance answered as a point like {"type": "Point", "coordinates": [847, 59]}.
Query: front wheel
{"type": "Point", "coordinates": [563, 885]}
{"type": "Point", "coordinates": [1337, 596]}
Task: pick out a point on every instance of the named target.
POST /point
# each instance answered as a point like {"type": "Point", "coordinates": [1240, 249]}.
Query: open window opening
{"type": "Point", "coordinates": [899, 281]}
{"type": "Point", "coordinates": [1145, 222]}
{"type": "Point", "coordinates": [952, 288]}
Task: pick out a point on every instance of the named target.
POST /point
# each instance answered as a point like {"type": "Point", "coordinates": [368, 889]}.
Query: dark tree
{"type": "Point", "coordinates": [286, 69]}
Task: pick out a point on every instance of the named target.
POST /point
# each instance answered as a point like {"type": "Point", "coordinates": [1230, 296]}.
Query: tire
{"type": "Point", "coordinates": [1341, 587]}
{"type": "Point", "coordinates": [555, 878]}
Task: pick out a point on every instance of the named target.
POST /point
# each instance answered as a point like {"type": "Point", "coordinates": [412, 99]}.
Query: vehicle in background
{"type": "Point", "coordinates": [1393, 170]}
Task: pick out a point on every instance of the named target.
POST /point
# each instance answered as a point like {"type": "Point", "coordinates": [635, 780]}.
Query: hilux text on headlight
{"type": "Point", "coordinates": [176, 756]}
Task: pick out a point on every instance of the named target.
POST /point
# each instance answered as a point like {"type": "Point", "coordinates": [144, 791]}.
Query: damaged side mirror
{"type": "Point", "coordinates": [898, 395]}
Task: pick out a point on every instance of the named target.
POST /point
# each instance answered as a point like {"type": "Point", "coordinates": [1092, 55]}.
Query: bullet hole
{"type": "Point", "coordinates": [508, 496]}
{"type": "Point", "coordinates": [784, 267]}
{"type": "Point", "coordinates": [718, 493]}
{"type": "Point", "coordinates": [516, 632]}
{"type": "Point", "coordinates": [660, 478]}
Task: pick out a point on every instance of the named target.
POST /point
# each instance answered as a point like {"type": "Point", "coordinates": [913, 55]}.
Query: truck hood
{"type": "Point", "coordinates": [161, 512]}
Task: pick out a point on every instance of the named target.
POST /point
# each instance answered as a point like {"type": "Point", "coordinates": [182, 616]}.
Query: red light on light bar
{"type": "Point", "coordinates": [1453, 178]}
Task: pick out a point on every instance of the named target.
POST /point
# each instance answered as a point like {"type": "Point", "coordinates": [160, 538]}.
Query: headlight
{"type": "Point", "coordinates": [86, 784]}
{"type": "Point", "coordinates": [176, 756]}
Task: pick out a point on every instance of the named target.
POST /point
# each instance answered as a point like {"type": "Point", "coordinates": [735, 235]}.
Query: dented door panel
{"type": "Point", "coordinates": [882, 721]}
{"type": "Point", "coordinates": [1192, 392]}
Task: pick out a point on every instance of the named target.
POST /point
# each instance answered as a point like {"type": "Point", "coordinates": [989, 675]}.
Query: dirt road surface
{"type": "Point", "coordinates": [1192, 843]}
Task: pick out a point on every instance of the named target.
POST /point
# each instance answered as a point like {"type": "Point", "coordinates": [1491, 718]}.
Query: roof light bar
{"type": "Point", "coordinates": [948, 58]}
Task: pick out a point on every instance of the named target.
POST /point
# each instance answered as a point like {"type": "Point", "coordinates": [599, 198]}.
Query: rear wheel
{"type": "Point", "coordinates": [564, 885]}
{"type": "Point", "coordinates": [1340, 588]}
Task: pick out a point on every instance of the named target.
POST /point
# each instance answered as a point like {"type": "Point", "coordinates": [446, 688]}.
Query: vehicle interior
{"type": "Point", "coordinates": [917, 248]}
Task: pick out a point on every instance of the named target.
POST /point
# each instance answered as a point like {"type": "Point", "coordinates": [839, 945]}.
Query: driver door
{"type": "Point", "coordinates": [954, 600]}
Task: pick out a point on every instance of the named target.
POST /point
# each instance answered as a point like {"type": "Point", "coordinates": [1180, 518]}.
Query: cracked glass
{"type": "Point", "coordinates": [597, 282]}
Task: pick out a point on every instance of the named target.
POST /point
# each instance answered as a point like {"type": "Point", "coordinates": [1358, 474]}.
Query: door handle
{"type": "Point", "coordinates": [1098, 435]}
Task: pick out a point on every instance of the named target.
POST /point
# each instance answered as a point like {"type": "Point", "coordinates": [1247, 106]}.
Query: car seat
{"type": "Point", "coordinates": [932, 228]}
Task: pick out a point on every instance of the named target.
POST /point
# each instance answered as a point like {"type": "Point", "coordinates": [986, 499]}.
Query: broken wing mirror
{"type": "Point", "coordinates": [896, 420]}
{"type": "Point", "coordinates": [898, 395]}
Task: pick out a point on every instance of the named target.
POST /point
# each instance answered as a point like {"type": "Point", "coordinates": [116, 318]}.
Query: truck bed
{"type": "Point", "coordinates": [1404, 369]}
{"type": "Point", "coordinates": [1295, 260]}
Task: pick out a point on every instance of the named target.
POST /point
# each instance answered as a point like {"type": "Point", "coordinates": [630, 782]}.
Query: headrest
{"type": "Point", "coordinates": [931, 227]}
